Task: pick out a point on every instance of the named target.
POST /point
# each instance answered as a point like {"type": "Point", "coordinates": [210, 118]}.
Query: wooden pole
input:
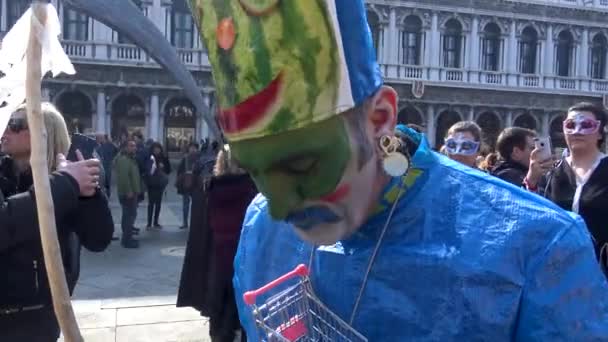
{"type": "Point", "coordinates": [44, 202]}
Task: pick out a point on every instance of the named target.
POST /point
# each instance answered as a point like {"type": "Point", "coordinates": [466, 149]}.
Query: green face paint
{"type": "Point", "coordinates": [304, 164]}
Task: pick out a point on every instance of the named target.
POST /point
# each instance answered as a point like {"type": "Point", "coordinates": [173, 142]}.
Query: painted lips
{"type": "Point", "coordinates": [249, 112]}
{"type": "Point", "coordinates": [311, 217]}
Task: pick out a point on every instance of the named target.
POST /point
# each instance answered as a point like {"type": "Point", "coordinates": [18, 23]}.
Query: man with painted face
{"type": "Point", "coordinates": [402, 243]}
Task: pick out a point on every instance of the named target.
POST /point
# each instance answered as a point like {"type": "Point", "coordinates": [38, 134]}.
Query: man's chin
{"type": "Point", "coordinates": [325, 234]}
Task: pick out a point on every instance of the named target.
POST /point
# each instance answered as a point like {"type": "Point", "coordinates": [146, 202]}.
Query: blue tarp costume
{"type": "Point", "coordinates": [466, 257]}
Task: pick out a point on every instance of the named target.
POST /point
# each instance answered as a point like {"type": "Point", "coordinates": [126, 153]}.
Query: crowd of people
{"type": "Point", "coordinates": [575, 179]}
{"type": "Point", "coordinates": [141, 169]}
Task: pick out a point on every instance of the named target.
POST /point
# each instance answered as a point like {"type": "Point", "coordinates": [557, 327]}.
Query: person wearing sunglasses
{"type": "Point", "coordinates": [579, 182]}
{"type": "Point", "coordinates": [462, 143]}
{"type": "Point", "coordinates": [82, 218]}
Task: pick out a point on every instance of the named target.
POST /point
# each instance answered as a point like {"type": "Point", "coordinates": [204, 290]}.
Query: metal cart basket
{"type": "Point", "coordinates": [296, 314]}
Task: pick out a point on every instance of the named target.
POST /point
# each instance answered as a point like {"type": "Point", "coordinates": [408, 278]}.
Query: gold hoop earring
{"type": "Point", "coordinates": [394, 161]}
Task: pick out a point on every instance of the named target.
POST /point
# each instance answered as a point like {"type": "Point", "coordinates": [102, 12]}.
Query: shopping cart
{"type": "Point", "coordinates": [296, 314]}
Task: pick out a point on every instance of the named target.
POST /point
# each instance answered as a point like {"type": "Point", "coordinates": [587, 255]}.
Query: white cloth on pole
{"type": "Point", "coordinates": [13, 61]}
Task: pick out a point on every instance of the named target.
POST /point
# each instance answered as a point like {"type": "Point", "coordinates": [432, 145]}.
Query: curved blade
{"type": "Point", "coordinates": [123, 16]}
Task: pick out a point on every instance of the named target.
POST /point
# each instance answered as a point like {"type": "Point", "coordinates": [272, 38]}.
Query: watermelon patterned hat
{"type": "Point", "coordinates": [281, 65]}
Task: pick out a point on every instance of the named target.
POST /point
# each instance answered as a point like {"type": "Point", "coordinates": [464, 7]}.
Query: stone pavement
{"type": "Point", "coordinates": [129, 295]}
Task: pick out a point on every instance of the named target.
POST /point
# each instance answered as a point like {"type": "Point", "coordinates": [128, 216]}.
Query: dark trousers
{"type": "Point", "coordinates": [155, 197]}
{"type": "Point", "coordinates": [186, 198]}
{"type": "Point", "coordinates": [108, 181]}
{"type": "Point", "coordinates": [31, 326]}
{"type": "Point", "coordinates": [129, 214]}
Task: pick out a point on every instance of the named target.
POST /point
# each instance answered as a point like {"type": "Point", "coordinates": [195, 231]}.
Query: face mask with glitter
{"type": "Point", "coordinates": [460, 145]}
{"type": "Point", "coordinates": [581, 124]}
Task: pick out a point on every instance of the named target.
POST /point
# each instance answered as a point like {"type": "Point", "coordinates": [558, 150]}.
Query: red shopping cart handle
{"type": "Point", "coordinates": [251, 296]}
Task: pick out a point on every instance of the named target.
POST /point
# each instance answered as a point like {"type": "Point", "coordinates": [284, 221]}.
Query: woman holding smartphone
{"type": "Point", "coordinates": [579, 182]}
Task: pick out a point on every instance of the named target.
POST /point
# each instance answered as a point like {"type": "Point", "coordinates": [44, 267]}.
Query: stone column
{"type": "Point", "coordinates": [509, 119]}
{"type": "Point", "coordinates": [471, 114]}
{"type": "Point", "coordinates": [393, 46]}
{"type": "Point", "coordinates": [203, 129]}
{"type": "Point", "coordinates": [101, 112]}
{"type": "Point", "coordinates": [549, 49]}
{"type": "Point", "coordinates": [154, 117]}
{"type": "Point", "coordinates": [583, 60]}
{"type": "Point", "coordinates": [428, 47]}
{"type": "Point", "coordinates": [430, 125]}
{"type": "Point", "coordinates": [474, 51]}
{"type": "Point", "coordinates": [157, 15]}
{"type": "Point", "coordinates": [435, 48]}
{"type": "Point", "coordinates": [545, 124]}
{"type": "Point", "coordinates": [3, 16]}
{"type": "Point", "coordinates": [512, 55]}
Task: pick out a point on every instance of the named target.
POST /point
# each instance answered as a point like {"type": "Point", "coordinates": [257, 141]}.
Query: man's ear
{"type": "Point", "coordinates": [383, 112]}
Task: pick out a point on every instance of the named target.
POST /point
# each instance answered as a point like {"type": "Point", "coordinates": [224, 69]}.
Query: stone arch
{"type": "Point", "coordinates": [128, 113]}
{"type": "Point", "coordinates": [77, 110]}
{"type": "Point", "coordinates": [463, 25]}
{"type": "Point", "coordinates": [484, 22]}
{"type": "Point", "coordinates": [526, 120]}
{"type": "Point", "coordinates": [444, 121]}
{"type": "Point", "coordinates": [523, 26]}
{"type": "Point", "coordinates": [411, 114]}
{"type": "Point", "coordinates": [491, 126]}
{"type": "Point", "coordinates": [180, 124]}
{"type": "Point", "coordinates": [556, 132]}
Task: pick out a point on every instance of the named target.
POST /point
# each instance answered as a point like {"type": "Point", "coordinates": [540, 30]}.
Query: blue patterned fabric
{"type": "Point", "coordinates": [467, 257]}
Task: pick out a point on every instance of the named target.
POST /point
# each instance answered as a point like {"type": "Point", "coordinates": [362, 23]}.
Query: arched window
{"type": "Point", "coordinates": [15, 10]}
{"type": "Point", "coordinates": [491, 47]}
{"type": "Point", "coordinates": [525, 120]}
{"type": "Point", "coordinates": [452, 44]}
{"type": "Point", "coordinates": [527, 51]}
{"type": "Point", "coordinates": [490, 126]}
{"type": "Point", "coordinates": [75, 25]}
{"type": "Point", "coordinates": [598, 56]}
{"type": "Point", "coordinates": [410, 115]}
{"type": "Point", "coordinates": [182, 25]}
{"type": "Point", "coordinates": [558, 140]}
{"type": "Point", "coordinates": [411, 40]}
{"type": "Point", "coordinates": [445, 120]}
{"type": "Point", "coordinates": [565, 50]}
{"type": "Point", "coordinates": [77, 110]}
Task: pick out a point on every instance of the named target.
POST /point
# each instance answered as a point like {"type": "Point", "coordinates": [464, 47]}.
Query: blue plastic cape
{"type": "Point", "coordinates": [467, 257]}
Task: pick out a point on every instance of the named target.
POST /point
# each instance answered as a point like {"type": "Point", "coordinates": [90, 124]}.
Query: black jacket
{"type": "Point", "coordinates": [206, 280]}
{"type": "Point", "coordinates": [559, 186]}
{"type": "Point", "coordinates": [86, 221]}
{"type": "Point", "coordinates": [510, 171]}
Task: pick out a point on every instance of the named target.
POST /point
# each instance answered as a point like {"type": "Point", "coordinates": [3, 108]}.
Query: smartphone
{"type": "Point", "coordinates": [543, 145]}
{"type": "Point", "coordinates": [85, 144]}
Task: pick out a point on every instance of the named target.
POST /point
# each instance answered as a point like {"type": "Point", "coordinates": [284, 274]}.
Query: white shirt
{"type": "Point", "coordinates": [581, 181]}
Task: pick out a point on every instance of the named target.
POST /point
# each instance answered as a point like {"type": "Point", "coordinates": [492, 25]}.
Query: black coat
{"type": "Point", "coordinates": [511, 172]}
{"type": "Point", "coordinates": [560, 185]}
{"type": "Point", "coordinates": [79, 221]}
{"type": "Point", "coordinates": [217, 217]}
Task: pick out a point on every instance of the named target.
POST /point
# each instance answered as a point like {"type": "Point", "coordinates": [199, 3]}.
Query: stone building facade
{"type": "Point", "coordinates": [501, 63]}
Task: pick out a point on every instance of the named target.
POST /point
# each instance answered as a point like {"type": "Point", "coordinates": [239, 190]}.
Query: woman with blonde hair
{"type": "Point", "coordinates": [228, 193]}
{"type": "Point", "coordinates": [82, 217]}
